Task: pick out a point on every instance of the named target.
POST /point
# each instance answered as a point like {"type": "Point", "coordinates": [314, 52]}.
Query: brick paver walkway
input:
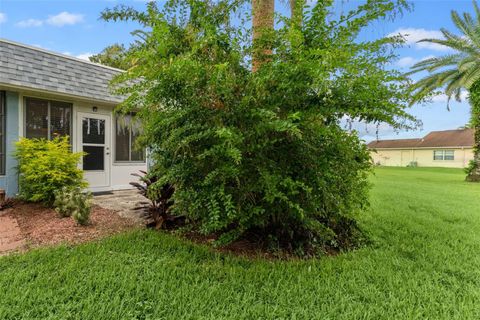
{"type": "Point", "coordinates": [10, 237]}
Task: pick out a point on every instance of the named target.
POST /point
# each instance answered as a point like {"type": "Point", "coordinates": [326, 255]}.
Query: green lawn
{"type": "Point", "coordinates": [424, 264]}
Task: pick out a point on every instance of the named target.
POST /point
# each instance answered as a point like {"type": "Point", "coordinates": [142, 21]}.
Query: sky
{"type": "Point", "coordinates": [73, 27]}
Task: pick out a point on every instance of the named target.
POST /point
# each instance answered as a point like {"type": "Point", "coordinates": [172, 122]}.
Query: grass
{"type": "Point", "coordinates": [424, 264]}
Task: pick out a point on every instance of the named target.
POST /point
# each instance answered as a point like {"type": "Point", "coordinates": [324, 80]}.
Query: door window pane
{"type": "Point", "coordinates": [93, 130]}
{"type": "Point", "coordinates": [94, 159]}
{"type": "Point", "coordinates": [60, 115]}
{"type": "Point", "coordinates": [36, 118]}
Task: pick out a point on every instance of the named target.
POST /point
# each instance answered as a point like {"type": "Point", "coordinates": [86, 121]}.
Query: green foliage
{"type": "Point", "coordinates": [63, 202]}
{"type": "Point", "coordinates": [262, 151]}
{"type": "Point", "coordinates": [473, 173]}
{"type": "Point", "coordinates": [46, 166]}
{"type": "Point", "coordinates": [73, 202]}
{"type": "Point", "coordinates": [159, 196]}
{"type": "Point", "coordinates": [81, 205]}
{"type": "Point", "coordinates": [112, 56]}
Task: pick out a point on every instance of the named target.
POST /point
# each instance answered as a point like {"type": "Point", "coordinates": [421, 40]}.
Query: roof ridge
{"type": "Point", "coordinates": [450, 130]}
{"type": "Point", "coordinates": [58, 54]}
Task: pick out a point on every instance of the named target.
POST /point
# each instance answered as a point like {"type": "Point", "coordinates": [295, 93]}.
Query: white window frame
{"type": "Point", "coordinates": [443, 154]}
{"type": "Point", "coordinates": [49, 101]}
{"type": "Point", "coordinates": [130, 161]}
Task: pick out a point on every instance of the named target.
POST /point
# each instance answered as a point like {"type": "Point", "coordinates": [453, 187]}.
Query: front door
{"type": "Point", "coordinates": [94, 140]}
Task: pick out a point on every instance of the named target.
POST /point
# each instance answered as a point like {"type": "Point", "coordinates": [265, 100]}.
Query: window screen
{"type": "Point", "coordinates": [128, 129]}
{"type": "Point", "coordinates": [444, 155]}
{"type": "Point", "coordinates": [36, 118]}
{"type": "Point", "coordinates": [47, 119]}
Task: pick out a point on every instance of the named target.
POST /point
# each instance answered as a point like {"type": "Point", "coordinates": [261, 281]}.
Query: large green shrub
{"type": "Point", "coordinates": [45, 166]}
{"type": "Point", "coordinates": [262, 151]}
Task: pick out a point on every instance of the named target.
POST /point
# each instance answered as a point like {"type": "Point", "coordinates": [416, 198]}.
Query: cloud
{"type": "Point", "coordinates": [413, 35]}
{"type": "Point", "coordinates": [3, 17]}
{"type": "Point", "coordinates": [406, 62]}
{"type": "Point", "coordinates": [444, 98]}
{"type": "Point", "coordinates": [64, 18]}
{"type": "Point", "coordinates": [29, 23]}
{"type": "Point", "coordinates": [59, 20]}
{"type": "Point", "coordinates": [84, 56]}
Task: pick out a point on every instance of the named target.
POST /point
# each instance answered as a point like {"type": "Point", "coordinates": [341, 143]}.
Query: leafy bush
{"type": "Point", "coordinates": [63, 202]}
{"type": "Point", "coordinates": [46, 166]}
{"type": "Point", "coordinates": [82, 207]}
{"type": "Point", "coordinates": [73, 202]}
{"type": "Point", "coordinates": [159, 196]}
{"type": "Point", "coordinates": [262, 151]}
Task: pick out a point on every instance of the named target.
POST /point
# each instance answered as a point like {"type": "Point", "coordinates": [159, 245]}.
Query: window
{"type": "Point", "coordinates": [127, 130]}
{"type": "Point", "coordinates": [3, 103]}
{"type": "Point", "coordinates": [47, 119]}
{"type": "Point", "coordinates": [443, 155]}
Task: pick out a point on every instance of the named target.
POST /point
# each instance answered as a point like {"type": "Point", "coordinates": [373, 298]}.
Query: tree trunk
{"type": "Point", "coordinates": [296, 11]}
{"type": "Point", "coordinates": [292, 7]}
{"type": "Point", "coordinates": [263, 22]}
{"type": "Point", "coordinates": [474, 168]}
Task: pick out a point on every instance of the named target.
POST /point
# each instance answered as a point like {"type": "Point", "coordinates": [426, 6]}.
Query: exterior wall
{"type": "Point", "coordinates": [423, 157]}
{"type": "Point", "coordinates": [120, 173]}
{"type": "Point", "coordinates": [9, 182]}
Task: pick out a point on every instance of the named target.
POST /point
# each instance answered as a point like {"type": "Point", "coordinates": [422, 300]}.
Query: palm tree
{"type": "Point", "coordinates": [456, 72]}
{"type": "Point", "coordinates": [262, 22]}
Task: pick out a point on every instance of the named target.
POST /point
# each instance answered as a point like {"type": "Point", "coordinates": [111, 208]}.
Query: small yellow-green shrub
{"type": "Point", "coordinates": [45, 166]}
{"type": "Point", "coordinates": [73, 202]}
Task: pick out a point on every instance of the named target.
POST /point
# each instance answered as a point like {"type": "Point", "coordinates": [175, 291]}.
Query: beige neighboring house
{"type": "Point", "coordinates": [449, 148]}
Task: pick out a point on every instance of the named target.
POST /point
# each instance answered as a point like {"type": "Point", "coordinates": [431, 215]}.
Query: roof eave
{"type": "Point", "coordinates": [13, 87]}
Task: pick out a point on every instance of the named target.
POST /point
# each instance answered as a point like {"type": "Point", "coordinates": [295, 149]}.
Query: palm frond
{"type": "Point", "coordinates": [461, 24]}
{"type": "Point", "coordinates": [467, 63]}
{"type": "Point", "coordinates": [452, 73]}
{"type": "Point", "coordinates": [455, 84]}
{"type": "Point", "coordinates": [435, 63]}
{"type": "Point", "coordinates": [471, 76]}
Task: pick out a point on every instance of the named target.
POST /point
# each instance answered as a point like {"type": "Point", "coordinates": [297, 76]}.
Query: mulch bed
{"type": "Point", "coordinates": [43, 226]}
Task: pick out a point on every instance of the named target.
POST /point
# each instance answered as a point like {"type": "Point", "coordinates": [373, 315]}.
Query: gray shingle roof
{"type": "Point", "coordinates": [38, 69]}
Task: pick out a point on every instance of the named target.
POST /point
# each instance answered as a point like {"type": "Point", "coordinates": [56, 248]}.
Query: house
{"type": "Point", "coordinates": [45, 94]}
{"type": "Point", "coordinates": [450, 148]}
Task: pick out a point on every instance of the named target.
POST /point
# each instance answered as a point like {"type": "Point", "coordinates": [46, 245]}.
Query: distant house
{"type": "Point", "coordinates": [450, 148]}
{"type": "Point", "coordinates": [45, 94]}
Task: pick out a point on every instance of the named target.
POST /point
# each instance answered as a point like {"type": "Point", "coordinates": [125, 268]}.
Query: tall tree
{"type": "Point", "coordinates": [455, 72]}
{"type": "Point", "coordinates": [113, 56]}
{"type": "Point", "coordinates": [263, 12]}
{"type": "Point", "coordinates": [262, 152]}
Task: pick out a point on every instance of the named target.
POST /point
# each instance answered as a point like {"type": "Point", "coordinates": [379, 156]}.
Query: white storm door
{"type": "Point", "coordinates": [94, 140]}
